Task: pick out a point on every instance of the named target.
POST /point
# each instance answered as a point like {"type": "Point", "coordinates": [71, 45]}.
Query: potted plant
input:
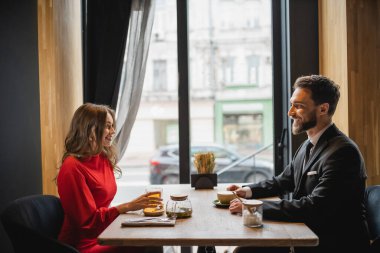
{"type": "Point", "coordinates": [206, 178]}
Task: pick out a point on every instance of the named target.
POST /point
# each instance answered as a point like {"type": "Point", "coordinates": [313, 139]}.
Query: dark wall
{"type": "Point", "coordinates": [295, 53]}
{"type": "Point", "coordinates": [303, 48]}
{"type": "Point", "coordinates": [20, 137]}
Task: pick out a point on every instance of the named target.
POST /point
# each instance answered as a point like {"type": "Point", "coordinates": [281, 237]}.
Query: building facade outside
{"type": "Point", "coordinates": [230, 53]}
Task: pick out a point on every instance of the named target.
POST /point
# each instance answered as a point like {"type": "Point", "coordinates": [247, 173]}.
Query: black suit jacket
{"type": "Point", "coordinates": [327, 195]}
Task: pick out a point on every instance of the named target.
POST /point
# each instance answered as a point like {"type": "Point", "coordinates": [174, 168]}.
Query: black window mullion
{"type": "Point", "coordinates": [295, 53]}
{"type": "Point", "coordinates": [183, 92]}
{"type": "Point", "coordinates": [303, 48]}
{"type": "Point", "coordinates": [280, 87]}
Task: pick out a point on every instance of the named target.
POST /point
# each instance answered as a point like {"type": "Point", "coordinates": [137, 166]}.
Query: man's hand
{"type": "Point", "coordinates": [237, 189]}
{"type": "Point", "coordinates": [233, 187]}
{"type": "Point", "coordinates": [235, 206]}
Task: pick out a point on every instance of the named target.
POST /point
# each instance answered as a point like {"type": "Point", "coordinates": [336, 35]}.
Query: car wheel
{"type": "Point", "coordinates": [170, 179]}
{"type": "Point", "coordinates": [255, 177]}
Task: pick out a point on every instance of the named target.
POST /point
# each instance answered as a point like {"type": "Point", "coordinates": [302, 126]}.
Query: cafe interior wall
{"type": "Point", "coordinates": [20, 150]}
{"type": "Point", "coordinates": [41, 84]}
{"type": "Point", "coordinates": [60, 71]}
{"type": "Point", "coordinates": [349, 35]}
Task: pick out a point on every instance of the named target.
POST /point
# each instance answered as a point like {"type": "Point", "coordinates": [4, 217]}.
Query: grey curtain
{"type": "Point", "coordinates": [133, 72]}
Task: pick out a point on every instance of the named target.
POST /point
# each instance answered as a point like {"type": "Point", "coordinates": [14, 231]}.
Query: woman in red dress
{"type": "Point", "coordinates": [86, 182]}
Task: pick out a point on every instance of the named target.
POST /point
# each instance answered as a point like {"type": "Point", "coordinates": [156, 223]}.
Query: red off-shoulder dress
{"type": "Point", "coordinates": [86, 189]}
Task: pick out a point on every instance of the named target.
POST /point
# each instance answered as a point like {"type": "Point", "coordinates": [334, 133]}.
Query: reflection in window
{"type": "Point", "coordinates": [252, 69]}
{"type": "Point", "coordinates": [165, 132]}
{"type": "Point", "coordinates": [159, 75]}
{"type": "Point", "coordinates": [245, 130]}
{"type": "Point", "coordinates": [228, 70]}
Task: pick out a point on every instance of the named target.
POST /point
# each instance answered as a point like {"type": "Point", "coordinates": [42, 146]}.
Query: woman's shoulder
{"type": "Point", "coordinates": [70, 160]}
{"type": "Point", "coordinates": [70, 163]}
{"type": "Point", "coordinates": [70, 168]}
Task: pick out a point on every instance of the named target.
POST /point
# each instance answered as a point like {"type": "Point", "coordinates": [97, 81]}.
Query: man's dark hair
{"type": "Point", "coordinates": [323, 90]}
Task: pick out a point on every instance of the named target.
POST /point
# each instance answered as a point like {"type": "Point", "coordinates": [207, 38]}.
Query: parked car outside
{"type": "Point", "coordinates": [164, 165]}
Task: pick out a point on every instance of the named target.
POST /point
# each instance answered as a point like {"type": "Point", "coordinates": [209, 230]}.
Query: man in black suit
{"type": "Point", "coordinates": [327, 183]}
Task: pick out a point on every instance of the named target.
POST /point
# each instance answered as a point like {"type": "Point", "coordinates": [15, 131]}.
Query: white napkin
{"type": "Point", "coordinates": [148, 221]}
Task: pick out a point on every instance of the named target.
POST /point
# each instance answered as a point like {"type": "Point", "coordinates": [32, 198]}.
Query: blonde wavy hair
{"type": "Point", "coordinates": [90, 119]}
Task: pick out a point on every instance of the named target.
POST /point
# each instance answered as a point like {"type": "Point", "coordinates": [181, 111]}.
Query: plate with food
{"type": "Point", "coordinates": [153, 211]}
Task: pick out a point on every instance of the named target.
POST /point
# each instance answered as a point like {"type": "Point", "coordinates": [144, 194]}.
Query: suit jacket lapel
{"type": "Point", "coordinates": [323, 141]}
{"type": "Point", "coordinates": [299, 161]}
{"type": "Point", "coordinates": [316, 151]}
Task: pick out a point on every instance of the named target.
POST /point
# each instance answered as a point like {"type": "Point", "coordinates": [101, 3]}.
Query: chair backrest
{"type": "Point", "coordinates": [372, 203]}
{"type": "Point", "coordinates": [33, 224]}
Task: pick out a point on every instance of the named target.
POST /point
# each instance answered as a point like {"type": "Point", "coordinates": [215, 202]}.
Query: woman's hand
{"type": "Point", "coordinates": [140, 202]}
{"type": "Point", "coordinates": [235, 206]}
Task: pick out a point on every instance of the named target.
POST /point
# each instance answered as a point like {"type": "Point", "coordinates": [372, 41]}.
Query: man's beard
{"type": "Point", "coordinates": [302, 127]}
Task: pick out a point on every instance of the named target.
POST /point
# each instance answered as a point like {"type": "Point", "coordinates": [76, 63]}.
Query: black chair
{"type": "Point", "coordinates": [372, 203]}
{"type": "Point", "coordinates": [33, 224]}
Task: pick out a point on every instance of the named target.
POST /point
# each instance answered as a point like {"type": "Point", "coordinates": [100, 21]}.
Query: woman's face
{"type": "Point", "coordinates": [108, 132]}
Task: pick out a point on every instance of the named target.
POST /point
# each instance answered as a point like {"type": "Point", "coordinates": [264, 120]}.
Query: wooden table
{"type": "Point", "coordinates": [207, 226]}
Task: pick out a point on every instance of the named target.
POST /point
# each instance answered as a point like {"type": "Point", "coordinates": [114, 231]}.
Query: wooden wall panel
{"type": "Point", "coordinates": [350, 53]}
{"type": "Point", "coordinates": [60, 72]}
{"type": "Point", "coordinates": [333, 53]}
{"type": "Point", "coordinates": [364, 81]}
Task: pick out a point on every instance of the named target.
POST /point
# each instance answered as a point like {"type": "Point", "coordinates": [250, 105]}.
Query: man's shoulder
{"type": "Point", "coordinates": [342, 139]}
{"type": "Point", "coordinates": [343, 144]}
{"type": "Point", "coordinates": [337, 137]}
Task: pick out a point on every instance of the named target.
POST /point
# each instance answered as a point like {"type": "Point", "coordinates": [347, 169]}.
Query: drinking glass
{"type": "Point", "coordinates": [154, 189]}
{"type": "Point", "coordinates": [158, 194]}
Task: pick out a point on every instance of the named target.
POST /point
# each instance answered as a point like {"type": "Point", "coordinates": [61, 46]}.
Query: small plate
{"type": "Point", "coordinates": [153, 212]}
{"type": "Point", "coordinates": [220, 205]}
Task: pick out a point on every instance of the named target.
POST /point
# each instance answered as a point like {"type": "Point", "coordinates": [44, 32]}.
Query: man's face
{"type": "Point", "coordinates": [303, 111]}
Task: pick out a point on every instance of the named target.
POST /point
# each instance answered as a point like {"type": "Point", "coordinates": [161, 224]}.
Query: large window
{"type": "Point", "coordinates": [231, 83]}
{"type": "Point", "coordinates": [230, 98]}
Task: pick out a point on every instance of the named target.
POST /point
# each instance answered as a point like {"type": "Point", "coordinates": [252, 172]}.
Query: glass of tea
{"type": "Point", "coordinates": [156, 193]}
{"type": "Point", "coordinates": [156, 189]}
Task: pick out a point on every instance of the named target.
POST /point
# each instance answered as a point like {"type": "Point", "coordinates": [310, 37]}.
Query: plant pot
{"type": "Point", "coordinates": [204, 181]}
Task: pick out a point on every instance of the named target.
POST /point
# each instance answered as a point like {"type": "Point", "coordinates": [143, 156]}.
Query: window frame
{"type": "Point", "coordinates": [293, 55]}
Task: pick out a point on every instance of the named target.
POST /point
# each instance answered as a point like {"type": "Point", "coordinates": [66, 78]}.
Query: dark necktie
{"type": "Point", "coordinates": [307, 153]}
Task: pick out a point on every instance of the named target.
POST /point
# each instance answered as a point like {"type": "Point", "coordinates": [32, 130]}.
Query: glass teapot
{"type": "Point", "coordinates": [178, 206]}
